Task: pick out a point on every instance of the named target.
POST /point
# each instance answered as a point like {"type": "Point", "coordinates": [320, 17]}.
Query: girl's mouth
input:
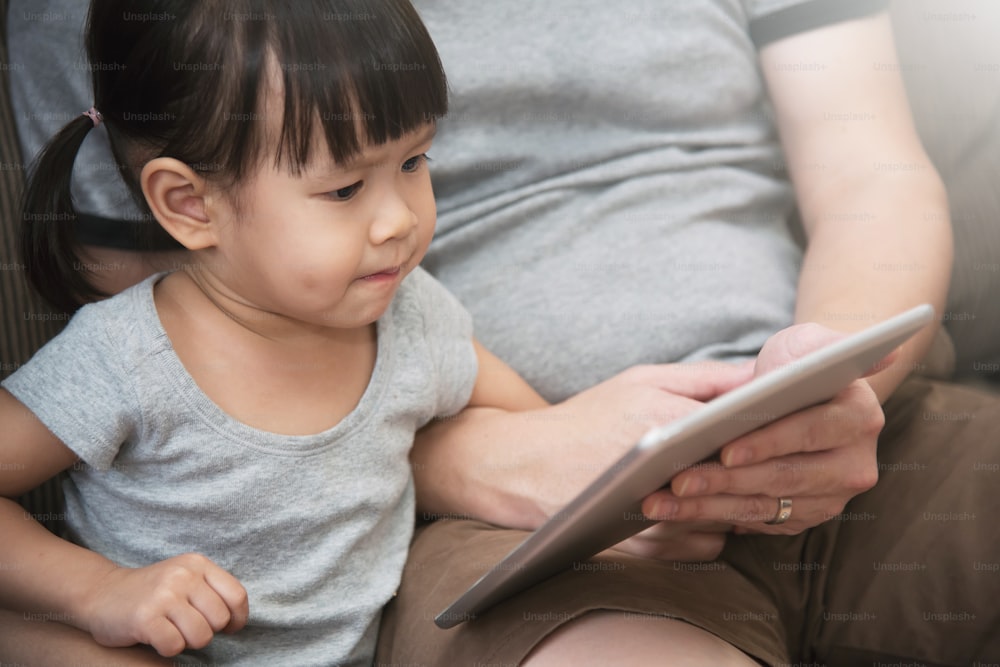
{"type": "Point", "coordinates": [386, 274]}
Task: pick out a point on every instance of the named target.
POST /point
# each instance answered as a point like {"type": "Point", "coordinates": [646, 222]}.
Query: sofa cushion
{"type": "Point", "coordinates": [949, 57]}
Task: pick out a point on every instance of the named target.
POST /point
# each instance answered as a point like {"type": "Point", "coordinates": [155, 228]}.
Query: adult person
{"type": "Point", "coordinates": [612, 192]}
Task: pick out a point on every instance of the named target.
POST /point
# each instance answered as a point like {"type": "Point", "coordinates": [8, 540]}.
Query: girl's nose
{"type": "Point", "coordinates": [394, 219]}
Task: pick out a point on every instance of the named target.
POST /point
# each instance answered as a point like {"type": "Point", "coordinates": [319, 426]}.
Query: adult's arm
{"type": "Point", "coordinates": [879, 241]}
{"type": "Point", "coordinates": [516, 469]}
{"type": "Point", "coordinates": [873, 208]}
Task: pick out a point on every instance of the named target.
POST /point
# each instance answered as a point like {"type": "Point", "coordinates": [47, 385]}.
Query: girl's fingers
{"type": "Point", "coordinates": [212, 608]}
{"type": "Point", "coordinates": [193, 626]}
{"type": "Point", "coordinates": [233, 595]}
{"type": "Point", "coordinates": [165, 637]}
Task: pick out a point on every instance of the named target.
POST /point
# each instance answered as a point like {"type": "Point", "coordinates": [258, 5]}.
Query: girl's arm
{"type": "Point", "coordinates": [172, 605]}
{"type": "Point", "coordinates": [499, 386]}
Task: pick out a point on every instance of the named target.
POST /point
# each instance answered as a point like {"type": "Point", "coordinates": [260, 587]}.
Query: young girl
{"type": "Point", "coordinates": [237, 432]}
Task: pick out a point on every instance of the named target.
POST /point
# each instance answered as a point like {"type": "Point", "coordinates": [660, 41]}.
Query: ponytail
{"type": "Point", "coordinates": [48, 220]}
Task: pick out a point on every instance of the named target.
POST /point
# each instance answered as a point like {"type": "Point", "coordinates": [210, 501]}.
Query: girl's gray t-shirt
{"type": "Point", "coordinates": [315, 527]}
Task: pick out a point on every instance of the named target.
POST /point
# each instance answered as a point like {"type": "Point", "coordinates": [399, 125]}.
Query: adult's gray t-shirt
{"type": "Point", "coordinates": [610, 186]}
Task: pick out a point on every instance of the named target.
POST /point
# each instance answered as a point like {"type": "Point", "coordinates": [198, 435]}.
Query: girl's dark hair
{"type": "Point", "coordinates": [187, 80]}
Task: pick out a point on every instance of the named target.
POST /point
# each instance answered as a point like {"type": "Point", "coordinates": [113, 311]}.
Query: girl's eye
{"type": "Point", "coordinates": [414, 163]}
{"type": "Point", "coordinates": [343, 194]}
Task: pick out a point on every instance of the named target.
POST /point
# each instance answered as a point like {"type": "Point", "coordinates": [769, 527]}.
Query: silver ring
{"type": "Point", "coordinates": [784, 512]}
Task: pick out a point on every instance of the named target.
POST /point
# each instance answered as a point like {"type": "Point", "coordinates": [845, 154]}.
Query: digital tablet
{"type": "Point", "coordinates": [609, 510]}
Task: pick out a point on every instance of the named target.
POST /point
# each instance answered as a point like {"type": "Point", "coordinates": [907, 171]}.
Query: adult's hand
{"type": "Point", "coordinates": [651, 396]}
{"type": "Point", "coordinates": [819, 458]}
{"type": "Point", "coordinates": [516, 469]}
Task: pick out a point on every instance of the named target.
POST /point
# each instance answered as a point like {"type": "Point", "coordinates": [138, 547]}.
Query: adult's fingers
{"type": "Point", "coordinates": [701, 380]}
{"type": "Point", "coordinates": [793, 343]}
{"type": "Point", "coordinates": [749, 513]}
{"type": "Point", "coordinates": [844, 472]}
{"type": "Point", "coordinates": [807, 512]}
{"type": "Point", "coordinates": [677, 542]}
{"type": "Point", "coordinates": [852, 421]}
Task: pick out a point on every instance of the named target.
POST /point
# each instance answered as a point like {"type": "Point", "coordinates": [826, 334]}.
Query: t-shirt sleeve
{"type": "Point", "coordinates": [448, 332]}
{"type": "Point", "coordinates": [771, 20]}
{"type": "Point", "coordinates": [77, 387]}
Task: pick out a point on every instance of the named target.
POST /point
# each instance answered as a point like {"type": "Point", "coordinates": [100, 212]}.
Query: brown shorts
{"type": "Point", "coordinates": [910, 570]}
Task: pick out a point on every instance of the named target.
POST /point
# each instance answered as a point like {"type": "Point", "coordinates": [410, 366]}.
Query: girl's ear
{"type": "Point", "coordinates": [176, 196]}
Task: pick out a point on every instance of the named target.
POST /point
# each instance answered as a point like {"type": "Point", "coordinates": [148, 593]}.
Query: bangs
{"type": "Point", "coordinates": [366, 78]}
{"type": "Point", "coordinates": [365, 70]}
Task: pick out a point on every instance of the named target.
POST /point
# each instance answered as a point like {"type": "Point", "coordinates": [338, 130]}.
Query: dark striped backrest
{"type": "Point", "coordinates": [21, 330]}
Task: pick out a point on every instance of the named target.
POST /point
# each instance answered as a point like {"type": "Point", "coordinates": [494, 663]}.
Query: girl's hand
{"type": "Point", "coordinates": [173, 605]}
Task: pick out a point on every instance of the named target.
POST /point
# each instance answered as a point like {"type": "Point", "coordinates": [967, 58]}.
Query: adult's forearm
{"type": "Point", "coordinates": [873, 207]}
{"type": "Point", "coordinates": [481, 464]}
{"type": "Point", "coordinates": [882, 245]}
{"type": "Point", "coordinates": [516, 469]}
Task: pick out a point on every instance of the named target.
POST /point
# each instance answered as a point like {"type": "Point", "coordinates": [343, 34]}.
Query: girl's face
{"type": "Point", "coordinates": [330, 246]}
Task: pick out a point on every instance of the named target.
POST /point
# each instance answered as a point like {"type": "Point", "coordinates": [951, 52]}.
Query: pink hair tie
{"type": "Point", "coordinates": [94, 115]}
